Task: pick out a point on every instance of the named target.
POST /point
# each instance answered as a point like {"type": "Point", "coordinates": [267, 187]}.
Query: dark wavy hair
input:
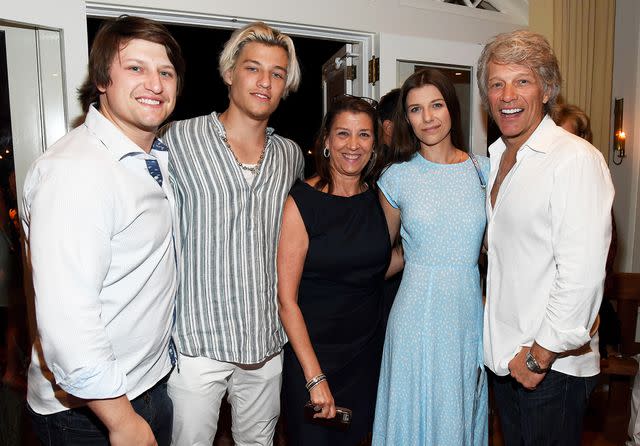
{"type": "Point", "coordinates": [346, 103]}
{"type": "Point", "coordinates": [404, 142]}
{"type": "Point", "coordinates": [113, 34]}
{"type": "Point", "coordinates": [387, 104]}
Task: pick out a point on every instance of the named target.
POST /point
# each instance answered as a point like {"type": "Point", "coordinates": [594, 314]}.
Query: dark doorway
{"type": "Point", "coordinates": [298, 117]}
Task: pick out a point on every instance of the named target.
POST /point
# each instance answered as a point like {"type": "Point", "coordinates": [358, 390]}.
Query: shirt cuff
{"type": "Point", "coordinates": [101, 381]}
{"type": "Point", "coordinates": [559, 341]}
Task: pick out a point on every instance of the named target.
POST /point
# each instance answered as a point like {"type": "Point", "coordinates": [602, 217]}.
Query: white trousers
{"type": "Point", "coordinates": [197, 390]}
{"type": "Point", "coordinates": [634, 422]}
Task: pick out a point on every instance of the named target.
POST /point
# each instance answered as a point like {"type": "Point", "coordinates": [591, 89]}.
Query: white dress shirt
{"type": "Point", "coordinates": [100, 236]}
{"type": "Point", "coordinates": [548, 237]}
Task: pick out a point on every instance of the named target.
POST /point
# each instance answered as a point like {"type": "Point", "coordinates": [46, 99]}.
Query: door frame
{"type": "Point", "coordinates": [366, 40]}
{"type": "Point", "coordinates": [37, 84]}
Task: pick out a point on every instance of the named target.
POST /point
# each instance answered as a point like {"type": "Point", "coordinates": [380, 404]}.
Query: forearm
{"type": "Point", "coordinates": [397, 261]}
{"type": "Point", "coordinates": [296, 329]}
{"type": "Point", "coordinates": [125, 426]}
{"type": "Point", "coordinates": [112, 412]}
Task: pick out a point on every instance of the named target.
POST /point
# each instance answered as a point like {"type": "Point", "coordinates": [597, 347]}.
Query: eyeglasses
{"type": "Point", "coordinates": [341, 97]}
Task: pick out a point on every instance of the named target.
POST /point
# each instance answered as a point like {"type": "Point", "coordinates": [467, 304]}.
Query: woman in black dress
{"type": "Point", "coordinates": [333, 254]}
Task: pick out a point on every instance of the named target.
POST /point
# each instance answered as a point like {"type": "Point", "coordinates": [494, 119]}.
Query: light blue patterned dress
{"type": "Point", "coordinates": [432, 389]}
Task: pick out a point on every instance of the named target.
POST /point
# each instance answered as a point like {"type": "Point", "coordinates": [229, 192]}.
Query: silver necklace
{"type": "Point", "coordinates": [255, 170]}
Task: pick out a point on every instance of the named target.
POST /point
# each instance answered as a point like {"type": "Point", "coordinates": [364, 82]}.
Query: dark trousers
{"type": "Point", "coordinates": [552, 414]}
{"type": "Point", "coordinates": [80, 427]}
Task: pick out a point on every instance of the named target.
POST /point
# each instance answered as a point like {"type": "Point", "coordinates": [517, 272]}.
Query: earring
{"type": "Point", "coordinates": [326, 152]}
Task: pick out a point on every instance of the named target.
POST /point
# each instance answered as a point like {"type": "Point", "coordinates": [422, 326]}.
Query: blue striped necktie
{"type": "Point", "coordinates": [154, 170]}
{"type": "Point", "coordinates": [152, 165]}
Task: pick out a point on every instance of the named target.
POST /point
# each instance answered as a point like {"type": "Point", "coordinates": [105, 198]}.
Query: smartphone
{"type": "Point", "coordinates": [341, 420]}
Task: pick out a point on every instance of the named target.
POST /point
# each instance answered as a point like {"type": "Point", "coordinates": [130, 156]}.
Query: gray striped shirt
{"type": "Point", "coordinates": [227, 305]}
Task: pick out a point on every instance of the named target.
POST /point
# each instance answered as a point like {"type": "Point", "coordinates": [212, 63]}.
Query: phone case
{"type": "Point", "coordinates": [342, 419]}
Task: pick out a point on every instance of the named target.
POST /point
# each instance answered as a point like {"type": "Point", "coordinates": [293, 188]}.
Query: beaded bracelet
{"type": "Point", "coordinates": [315, 381]}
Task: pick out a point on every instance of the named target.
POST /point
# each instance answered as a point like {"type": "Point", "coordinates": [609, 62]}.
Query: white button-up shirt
{"type": "Point", "coordinates": [100, 236]}
{"type": "Point", "coordinates": [548, 237]}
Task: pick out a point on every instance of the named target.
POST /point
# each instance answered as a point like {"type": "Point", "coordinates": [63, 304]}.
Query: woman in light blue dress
{"type": "Point", "coordinates": [432, 389]}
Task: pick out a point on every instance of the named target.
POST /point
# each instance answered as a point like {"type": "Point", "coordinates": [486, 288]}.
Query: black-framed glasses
{"type": "Point", "coordinates": [372, 102]}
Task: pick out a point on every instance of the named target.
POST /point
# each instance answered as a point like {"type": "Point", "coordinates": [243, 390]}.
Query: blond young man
{"type": "Point", "coordinates": [231, 176]}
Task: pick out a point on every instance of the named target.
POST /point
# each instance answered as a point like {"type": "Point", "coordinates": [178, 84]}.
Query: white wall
{"type": "Point", "coordinates": [396, 47]}
{"type": "Point", "coordinates": [626, 80]}
{"type": "Point", "coordinates": [426, 18]}
{"type": "Point", "coordinates": [68, 16]}
{"type": "Point", "coordinates": [402, 18]}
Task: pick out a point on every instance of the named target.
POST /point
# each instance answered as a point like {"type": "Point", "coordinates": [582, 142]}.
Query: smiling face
{"type": "Point", "coordinates": [516, 100]}
{"type": "Point", "coordinates": [257, 81]}
{"type": "Point", "coordinates": [350, 142]}
{"type": "Point", "coordinates": [142, 92]}
{"type": "Point", "coordinates": [429, 117]}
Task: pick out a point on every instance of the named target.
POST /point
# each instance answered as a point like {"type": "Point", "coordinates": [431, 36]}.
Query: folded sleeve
{"type": "Point", "coordinates": [580, 208]}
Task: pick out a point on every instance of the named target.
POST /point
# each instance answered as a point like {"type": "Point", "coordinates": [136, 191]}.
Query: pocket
{"type": "Point", "coordinates": [80, 421]}
{"type": "Point", "coordinates": [82, 437]}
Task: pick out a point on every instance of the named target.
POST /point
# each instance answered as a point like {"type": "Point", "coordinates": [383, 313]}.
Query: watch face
{"type": "Point", "coordinates": [533, 365]}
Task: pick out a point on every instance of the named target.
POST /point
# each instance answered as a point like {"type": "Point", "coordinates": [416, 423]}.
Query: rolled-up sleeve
{"type": "Point", "coordinates": [69, 225]}
{"type": "Point", "coordinates": [580, 207]}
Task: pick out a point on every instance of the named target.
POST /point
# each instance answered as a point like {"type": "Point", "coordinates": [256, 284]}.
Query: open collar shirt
{"type": "Point", "coordinates": [100, 238]}
{"type": "Point", "coordinates": [227, 306]}
{"type": "Point", "coordinates": [548, 237]}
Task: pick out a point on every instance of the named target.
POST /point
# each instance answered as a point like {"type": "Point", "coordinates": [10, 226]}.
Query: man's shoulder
{"type": "Point", "coordinates": [286, 144]}
{"type": "Point", "coordinates": [185, 128]}
{"type": "Point", "coordinates": [76, 161]}
{"type": "Point", "coordinates": [566, 145]}
{"type": "Point", "coordinates": [189, 122]}
{"type": "Point", "coordinates": [77, 146]}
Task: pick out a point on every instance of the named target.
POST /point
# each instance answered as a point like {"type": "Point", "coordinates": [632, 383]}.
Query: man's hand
{"type": "Point", "coordinates": [522, 374]}
{"type": "Point", "coordinates": [134, 431]}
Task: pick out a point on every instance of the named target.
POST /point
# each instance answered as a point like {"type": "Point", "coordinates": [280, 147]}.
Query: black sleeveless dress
{"type": "Point", "coordinates": [340, 296]}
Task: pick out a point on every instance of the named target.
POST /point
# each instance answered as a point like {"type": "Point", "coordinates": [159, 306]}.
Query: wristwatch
{"type": "Point", "coordinates": [533, 366]}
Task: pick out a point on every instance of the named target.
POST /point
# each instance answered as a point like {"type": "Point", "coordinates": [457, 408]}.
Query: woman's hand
{"type": "Point", "coordinates": [321, 397]}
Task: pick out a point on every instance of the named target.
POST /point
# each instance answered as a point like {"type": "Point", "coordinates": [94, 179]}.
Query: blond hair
{"type": "Point", "coordinates": [526, 48]}
{"type": "Point", "coordinates": [262, 33]}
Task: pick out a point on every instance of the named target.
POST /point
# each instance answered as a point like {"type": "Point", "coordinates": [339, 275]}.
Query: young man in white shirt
{"type": "Point", "coordinates": [232, 174]}
{"type": "Point", "coordinates": [99, 223]}
{"type": "Point", "coordinates": [548, 233]}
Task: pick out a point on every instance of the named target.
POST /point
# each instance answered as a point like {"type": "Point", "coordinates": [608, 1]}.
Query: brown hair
{"type": "Point", "coordinates": [404, 142]}
{"type": "Point", "coordinates": [562, 113]}
{"type": "Point", "coordinates": [352, 104]}
{"type": "Point", "coordinates": [111, 37]}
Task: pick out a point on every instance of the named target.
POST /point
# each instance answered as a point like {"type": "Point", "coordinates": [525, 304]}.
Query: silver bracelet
{"type": "Point", "coordinates": [315, 381]}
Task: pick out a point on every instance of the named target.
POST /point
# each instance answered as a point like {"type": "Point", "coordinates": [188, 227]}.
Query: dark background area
{"type": "Point", "coordinates": [6, 160]}
{"type": "Point", "coordinates": [299, 115]}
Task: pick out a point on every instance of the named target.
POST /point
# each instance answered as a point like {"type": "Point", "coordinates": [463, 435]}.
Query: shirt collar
{"type": "Point", "coordinates": [117, 143]}
{"type": "Point", "coordinates": [540, 140]}
{"type": "Point", "coordinates": [220, 130]}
